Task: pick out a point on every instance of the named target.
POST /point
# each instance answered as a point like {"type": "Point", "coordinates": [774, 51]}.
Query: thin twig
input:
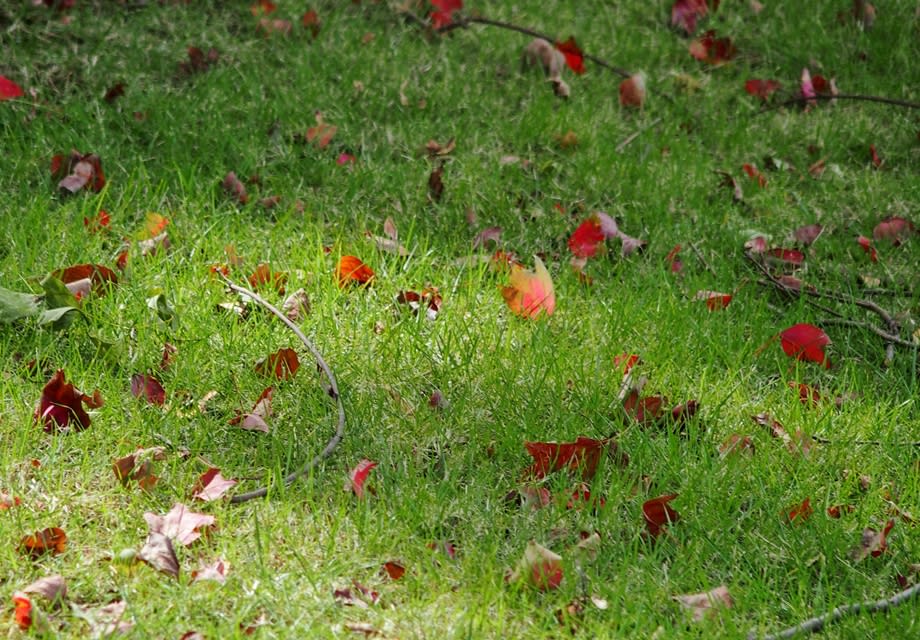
{"type": "Point", "coordinates": [874, 443]}
{"type": "Point", "coordinates": [702, 259]}
{"type": "Point", "coordinates": [889, 338]}
{"type": "Point", "coordinates": [842, 96]}
{"type": "Point", "coordinates": [816, 624]}
{"type": "Point", "coordinates": [333, 391]}
{"type": "Point", "coordinates": [629, 139]}
{"type": "Point", "coordinates": [465, 21]}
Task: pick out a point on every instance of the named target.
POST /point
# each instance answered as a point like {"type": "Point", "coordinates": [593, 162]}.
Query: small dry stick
{"type": "Point", "coordinates": [333, 391]}
{"type": "Point", "coordinates": [813, 625]}
{"type": "Point", "coordinates": [629, 139]}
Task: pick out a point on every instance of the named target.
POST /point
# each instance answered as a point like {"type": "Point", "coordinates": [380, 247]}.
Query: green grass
{"type": "Point", "coordinates": [443, 475]}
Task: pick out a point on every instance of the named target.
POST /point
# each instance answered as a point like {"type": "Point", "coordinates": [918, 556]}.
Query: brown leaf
{"type": "Point", "coordinates": [150, 388]}
{"type": "Point", "coordinates": [61, 403]}
{"type": "Point", "coordinates": [159, 553]}
{"type": "Point", "coordinates": [705, 604]}
{"type": "Point", "coordinates": [873, 543]}
{"type": "Point", "coordinates": [282, 364]}
{"type": "Point", "coordinates": [53, 588]}
{"type": "Point", "coordinates": [51, 540]}
{"type": "Point", "coordinates": [296, 306]}
{"type": "Point", "coordinates": [263, 276]}
{"type": "Point", "coordinates": [216, 571]}
{"type": "Point", "coordinates": [436, 184]}
{"type": "Point", "coordinates": [180, 524]}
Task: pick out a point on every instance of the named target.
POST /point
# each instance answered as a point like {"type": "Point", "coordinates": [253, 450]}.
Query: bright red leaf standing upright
{"type": "Point", "coordinates": [574, 57]}
{"type": "Point", "coordinates": [805, 342]}
{"type": "Point", "coordinates": [443, 13]}
{"type": "Point", "coordinates": [9, 89]}
{"type": "Point", "coordinates": [61, 402]}
{"type": "Point", "coordinates": [761, 88]}
{"type": "Point", "coordinates": [586, 238]}
{"type": "Point", "coordinates": [358, 475]}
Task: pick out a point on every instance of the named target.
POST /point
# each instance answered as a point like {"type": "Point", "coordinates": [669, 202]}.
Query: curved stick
{"type": "Point", "coordinates": [333, 391]}
{"type": "Point", "coordinates": [813, 625]}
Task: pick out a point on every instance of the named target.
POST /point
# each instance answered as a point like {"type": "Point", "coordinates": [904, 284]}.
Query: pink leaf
{"type": "Point", "coordinates": [212, 485]}
{"type": "Point", "coordinates": [489, 234]}
{"type": "Point", "coordinates": [216, 571]}
{"type": "Point", "coordinates": [540, 568]}
{"type": "Point", "coordinates": [894, 228]}
{"type": "Point", "coordinates": [704, 604]}
{"type": "Point", "coordinates": [159, 553]}
{"type": "Point", "coordinates": [358, 476]}
{"type": "Point", "coordinates": [684, 14]}
{"type": "Point", "coordinates": [179, 524]}
{"type": "Point", "coordinates": [808, 234]}
{"type": "Point", "coordinates": [805, 342]}
{"type": "Point", "coordinates": [632, 91]}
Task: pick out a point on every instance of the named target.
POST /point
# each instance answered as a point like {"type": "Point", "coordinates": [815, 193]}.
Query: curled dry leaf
{"type": "Point", "coordinates": [632, 91]}
{"type": "Point", "coordinates": [8, 502]}
{"type": "Point", "coordinates": [50, 540]}
{"type": "Point", "coordinates": [489, 234]}
{"type": "Point", "coordinates": [429, 298]}
{"type": "Point", "coordinates": [138, 467]}
{"type": "Point", "coordinates": [540, 568]}
{"type": "Point", "coordinates": [627, 361]}
{"type": "Point", "coordinates": [358, 476]}
{"type": "Point", "coordinates": [805, 342]}
{"type": "Point", "coordinates": [159, 553]}
{"type": "Point", "coordinates": [80, 279]}
{"type": "Point", "coordinates": [866, 245]}
{"type": "Point", "coordinates": [530, 292]}
{"type": "Point", "coordinates": [296, 306]}
{"type": "Point", "coordinates": [754, 174]}
{"type": "Point", "coordinates": [735, 444]}
{"type": "Point", "coordinates": [22, 608]}
{"type": "Point", "coordinates": [436, 184]}
{"type": "Point", "coordinates": [705, 604]}
{"type": "Point", "coordinates": [61, 403]}
{"type": "Point", "coordinates": [78, 171]}
{"type": "Point", "coordinates": [180, 524]}
{"type": "Point", "coordinates": [211, 485]}
{"type": "Point", "coordinates": [658, 513]}
{"type": "Point", "coordinates": [282, 364]}
{"type": "Point", "coordinates": [350, 270]}
{"type": "Point", "coordinates": [394, 570]}
{"type": "Point", "coordinates": [800, 512]}
{"type": "Point", "coordinates": [198, 61]}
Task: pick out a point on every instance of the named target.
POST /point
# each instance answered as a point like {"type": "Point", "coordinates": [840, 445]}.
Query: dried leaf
{"type": "Point", "coordinates": [216, 571]}
{"type": "Point", "coordinates": [180, 524]}
{"type": "Point", "coordinates": [159, 553]}
{"type": "Point", "coordinates": [530, 292]}
{"type": "Point", "coordinates": [60, 403]}
{"type": "Point", "coordinates": [52, 588]}
{"type": "Point", "coordinates": [583, 456]}
{"type": "Point", "coordinates": [256, 419]}
{"type": "Point", "coordinates": [296, 306]}
{"type": "Point", "coordinates": [51, 540]}
{"type": "Point", "coordinates": [358, 476]}
{"type": "Point", "coordinates": [540, 568]}
{"type": "Point", "coordinates": [705, 604]}
{"type": "Point", "coordinates": [658, 513]}
{"type": "Point", "coordinates": [148, 387]}
{"type": "Point", "coordinates": [211, 485]}
{"type": "Point", "coordinates": [351, 270]}
{"type": "Point", "coordinates": [873, 543]}
{"type": "Point", "coordinates": [632, 91]}
{"type": "Point", "coordinates": [282, 364]}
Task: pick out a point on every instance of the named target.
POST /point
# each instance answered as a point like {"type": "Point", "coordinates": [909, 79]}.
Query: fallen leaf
{"type": "Point", "coordinates": [148, 387]}
{"type": "Point", "coordinates": [715, 300]}
{"type": "Point", "coordinates": [808, 233]}
{"type": "Point", "coordinates": [530, 292]}
{"type": "Point", "coordinates": [211, 485]}
{"type": "Point", "coordinates": [429, 298]}
{"type": "Point", "coordinates": [320, 135]}
{"type": "Point", "coordinates": [436, 184]}
{"type": "Point", "coordinates": [270, 26]}
{"type": "Point", "coordinates": [296, 306]}
{"type": "Point", "coordinates": [8, 502]}
{"type": "Point", "coordinates": [574, 57]}
{"type": "Point", "coordinates": [393, 569]}
{"type": "Point", "coordinates": [310, 21]}
{"type": "Point", "coordinates": [100, 222]}
{"type": "Point", "coordinates": [358, 476]}
{"type": "Point", "coordinates": [808, 395]}
{"type": "Point", "coordinates": [159, 553]}
{"type": "Point", "coordinates": [138, 467]}
{"type": "Point", "coordinates": [585, 240]}
{"type": "Point", "coordinates": [736, 443]}
{"type": "Point", "coordinates": [434, 148]}
{"type": "Point", "coordinates": [632, 91]}
{"type": "Point", "coordinates": [893, 228]}
{"type": "Point", "coordinates": [674, 263]}
{"type": "Point", "coordinates": [51, 540]}
{"type": "Point", "coordinates": [761, 88]}
{"type": "Point", "coordinates": [799, 513]}
{"type": "Point", "coordinates": [262, 7]}
{"type": "Point", "coordinates": [866, 245]}
{"type": "Point", "coordinates": [658, 513]}
{"type": "Point", "coordinates": [705, 604]}
{"type": "Point", "coordinates": [627, 360]}
{"type": "Point", "coordinates": [712, 50]}
{"type": "Point", "coordinates": [351, 270]}
{"type": "Point", "coordinates": [877, 162]}
{"type": "Point", "coordinates": [754, 174]}
{"type": "Point", "coordinates": [235, 188]}
{"type": "Point", "coordinates": [540, 568]}
{"type": "Point", "coordinates": [583, 456]}
{"type": "Point", "coordinates": [256, 419]}
{"type": "Point", "coordinates": [489, 234]}
{"type": "Point", "coordinates": [180, 524]}
{"type": "Point", "coordinates": [685, 13]}
{"type": "Point", "coordinates": [9, 89]}
{"type": "Point", "coordinates": [60, 403]}
{"type": "Point", "coordinates": [216, 571]}
{"type": "Point", "coordinates": [78, 171]}
{"type": "Point", "coordinates": [443, 13]}
{"type": "Point", "coordinates": [263, 276]}
{"type": "Point", "coordinates": [22, 605]}
{"type": "Point", "coordinates": [52, 588]}
{"type": "Point", "coordinates": [784, 257]}
{"type": "Point", "coordinates": [805, 342]}
{"type": "Point", "coordinates": [282, 364]}
{"type": "Point", "coordinates": [873, 543]}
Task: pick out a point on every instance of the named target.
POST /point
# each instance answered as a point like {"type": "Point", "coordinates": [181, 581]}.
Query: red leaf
{"type": "Point", "coordinates": [632, 90]}
{"type": "Point", "coordinates": [79, 171]}
{"type": "Point", "coordinates": [540, 567]}
{"type": "Point", "coordinates": [9, 89]}
{"type": "Point", "coordinates": [212, 485]}
{"type": "Point", "coordinates": [443, 14]}
{"type": "Point", "coordinates": [715, 300]}
{"type": "Point", "coordinates": [574, 57]}
{"type": "Point", "coordinates": [282, 364]}
{"type": "Point", "coordinates": [22, 606]}
{"type": "Point", "coordinates": [351, 270]}
{"type": "Point", "coordinates": [808, 234]}
{"type": "Point", "coordinates": [582, 455]}
{"type": "Point", "coordinates": [866, 244]}
{"type": "Point", "coordinates": [586, 238]}
{"type": "Point", "coordinates": [235, 188]}
{"type": "Point", "coordinates": [628, 360]}
{"type": "Point", "coordinates": [60, 403]}
{"type": "Point", "coordinates": [263, 7]}
{"type": "Point", "coordinates": [180, 524]}
{"type": "Point", "coordinates": [876, 160]}
{"type": "Point", "coordinates": [100, 222]}
{"type": "Point", "coordinates": [358, 476]}
{"type": "Point", "coordinates": [98, 276]}
{"type": "Point", "coordinates": [791, 257]}
{"type": "Point", "coordinates": [684, 14]}
{"type": "Point", "coordinates": [675, 264]}
{"type": "Point", "coordinates": [754, 174]}
{"type": "Point", "coordinates": [761, 88]}
{"type": "Point", "coordinates": [805, 342]}
{"type": "Point", "coordinates": [712, 50]}
{"type": "Point", "coordinates": [255, 420]}
{"type": "Point", "coordinates": [893, 228]}
{"type": "Point", "coordinates": [321, 135]}
{"type": "Point", "coordinates": [736, 443]}
{"type": "Point", "coordinates": [263, 275]}
{"type": "Point", "coordinates": [658, 513]}
{"type": "Point", "coordinates": [394, 570]}
{"type": "Point", "coordinates": [8, 502]}
{"type": "Point", "coordinates": [530, 292]}
{"type": "Point", "coordinates": [51, 540]}
{"type": "Point", "coordinates": [808, 395]}
{"type": "Point", "coordinates": [800, 512]}
{"type": "Point", "coordinates": [149, 387]}
{"type": "Point", "coordinates": [310, 20]}
{"type": "Point", "coordinates": [873, 543]}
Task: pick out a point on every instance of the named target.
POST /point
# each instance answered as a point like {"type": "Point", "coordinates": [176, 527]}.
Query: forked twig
{"type": "Point", "coordinates": [813, 625]}
{"type": "Point", "coordinates": [333, 391]}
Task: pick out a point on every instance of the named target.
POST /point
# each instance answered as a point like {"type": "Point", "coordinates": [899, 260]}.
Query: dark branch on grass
{"type": "Point", "coordinates": [813, 625]}
{"type": "Point", "coordinates": [907, 104]}
{"type": "Point", "coordinates": [333, 391]}
{"type": "Point", "coordinates": [865, 443]}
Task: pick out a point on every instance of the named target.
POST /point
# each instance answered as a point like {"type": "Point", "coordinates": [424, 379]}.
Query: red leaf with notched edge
{"type": "Point", "coordinates": [22, 607]}
{"type": "Point", "coordinates": [235, 188]}
{"type": "Point", "coordinates": [574, 57]}
{"type": "Point", "coordinates": [9, 89]}
{"type": "Point", "coordinates": [582, 455]}
{"type": "Point", "coordinates": [212, 485]}
{"type": "Point", "coordinates": [761, 88]}
{"type": "Point", "coordinates": [586, 238]}
{"type": "Point", "coordinates": [145, 385]}
{"type": "Point", "coordinates": [684, 14]}
{"type": "Point", "coordinates": [808, 234]}
{"type": "Point", "coordinates": [51, 540]}
{"type": "Point", "coordinates": [805, 342]}
{"type": "Point", "coordinates": [282, 364]}
{"type": "Point", "coordinates": [755, 174]}
{"type": "Point", "coordinates": [866, 244]}
{"type": "Point", "coordinates": [894, 228]}
{"type": "Point", "coordinates": [60, 403]}
{"type": "Point", "coordinates": [358, 475]}
{"type": "Point", "coordinates": [658, 513]}
{"type": "Point", "coordinates": [443, 13]}
{"type": "Point", "coordinates": [351, 270]}
{"type": "Point", "coordinates": [714, 299]}
{"type": "Point", "coordinates": [712, 50]}
{"type": "Point", "coordinates": [799, 513]}
{"type": "Point", "coordinates": [263, 276]}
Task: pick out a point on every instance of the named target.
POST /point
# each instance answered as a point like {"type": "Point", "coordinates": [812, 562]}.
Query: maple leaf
{"type": "Point", "coordinates": [180, 524]}
{"type": "Point", "coordinates": [658, 513]}
{"type": "Point", "coordinates": [216, 571]}
{"type": "Point", "coordinates": [712, 50]}
{"type": "Point", "coordinates": [684, 14]}
{"type": "Point", "coordinates": [282, 364]}
{"type": "Point", "coordinates": [159, 553]}
{"type": "Point", "coordinates": [148, 387]}
{"type": "Point", "coordinates": [78, 171]}
{"type": "Point", "coordinates": [704, 604]}
{"type": "Point", "coordinates": [530, 292]}
{"type": "Point", "coordinates": [358, 476]}
{"type": "Point", "coordinates": [211, 485]}
{"type": "Point", "coordinates": [235, 188]}
{"type": "Point", "coordinates": [761, 88]}
{"type": "Point", "coordinates": [808, 234]}
{"type": "Point", "coordinates": [9, 89]}
{"type": "Point", "coordinates": [83, 278]}
{"type": "Point", "coordinates": [805, 342]}
{"type": "Point", "coordinates": [50, 540]}
{"type": "Point", "coordinates": [800, 512]}
{"type": "Point", "coordinates": [874, 543]}
{"type": "Point", "coordinates": [443, 13]}
{"type": "Point", "coordinates": [60, 403]}
{"type": "Point", "coordinates": [582, 455]}
{"type": "Point", "coordinates": [574, 57]}
{"type": "Point", "coordinates": [138, 466]}
{"type": "Point", "coordinates": [428, 298]}
{"type": "Point", "coordinates": [866, 245]}
{"type": "Point", "coordinates": [586, 238]}
{"type": "Point", "coordinates": [893, 228]}
{"type": "Point", "coordinates": [755, 175]}
{"type": "Point", "coordinates": [632, 90]}
{"type": "Point", "coordinates": [351, 270]}
{"type": "Point", "coordinates": [255, 420]}
{"type": "Point", "coordinates": [263, 276]}
{"type": "Point", "coordinates": [540, 568]}
{"type": "Point", "coordinates": [715, 300]}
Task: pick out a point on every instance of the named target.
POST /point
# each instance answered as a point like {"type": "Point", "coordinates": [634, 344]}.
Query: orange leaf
{"type": "Point", "coordinates": [531, 291]}
{"type": "Point", "coordinates": [51, 540]}
{"type": "Point", "coordinates": [22, 609]}
{"type": "Point", "coordinates": [282, 364]}
{"type": "Point", "coordinates": [351, 270]}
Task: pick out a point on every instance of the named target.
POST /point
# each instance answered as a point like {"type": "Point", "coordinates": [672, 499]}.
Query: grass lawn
{"type": "Point", "coordinates": [536, 166]}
